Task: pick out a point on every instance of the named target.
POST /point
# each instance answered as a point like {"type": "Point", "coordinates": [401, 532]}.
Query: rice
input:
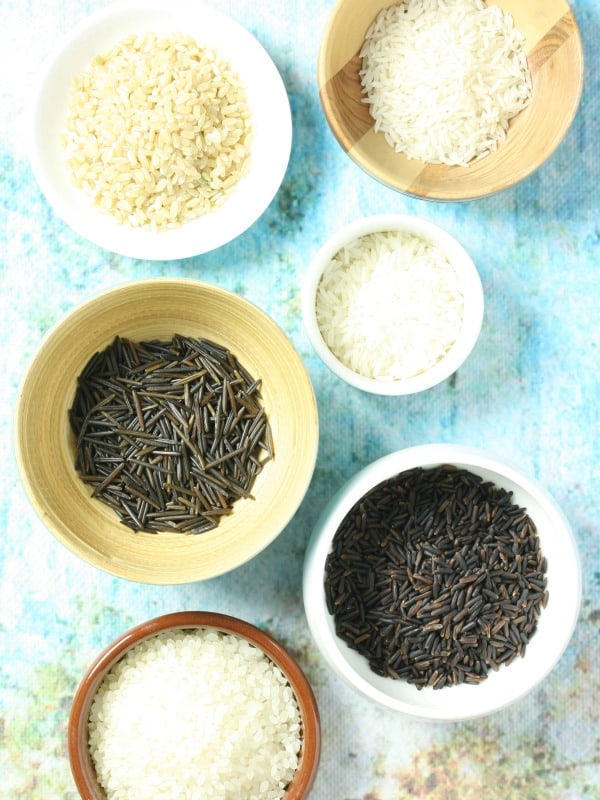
{"type": "Point", "coordinates": [443, 78]}
{"type": "Point", "coordinates": [158, 130]}
{"type": "Point", "coordinates": [195, 714]}
{"type": "Point", "coordinates": [389, 305]}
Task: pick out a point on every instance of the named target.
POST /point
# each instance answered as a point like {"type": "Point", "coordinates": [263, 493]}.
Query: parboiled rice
{"type": "Point", "coordinates": [444, 77]}
{"type": "Point", "coordinates": [158, 130]}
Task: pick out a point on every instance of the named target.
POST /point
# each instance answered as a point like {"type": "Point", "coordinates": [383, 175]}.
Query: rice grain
{"type": "Point", "coordinates": [191, 714]}
{"type": "Point", "coordinates": [158, 131]}
{"type": "Point", "coordinates": [443, 78]}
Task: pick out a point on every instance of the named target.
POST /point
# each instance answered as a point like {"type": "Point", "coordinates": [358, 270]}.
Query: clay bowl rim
{"type": "Point", "coordinates": [82, 767]}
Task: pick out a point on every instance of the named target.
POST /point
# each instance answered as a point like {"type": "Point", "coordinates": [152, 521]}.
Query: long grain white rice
{"type": "Point", "coordinates": [158, 130]}
{"type": "Point", "coordinates": [389, 305]}
{"type": "Point", "coordinates": [443, 78]}
{"type": "Point", "coordinates": [195, 714]}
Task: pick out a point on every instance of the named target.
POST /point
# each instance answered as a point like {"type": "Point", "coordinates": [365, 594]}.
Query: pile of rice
{"type": "Point", "coordinates": [389, 305]}
{"type": "Point", "coordinates": [444, 77]}
{"type": "Point", "coordinates": [195, 714]}
{"type": "Point", "coordinates": [158, 130]}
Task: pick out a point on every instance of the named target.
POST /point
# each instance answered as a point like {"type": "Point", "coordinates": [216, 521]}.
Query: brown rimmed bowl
{"type": "Point", "coordinates": [81, 763]}
{"type": "Point", "coordinates": [555, 55]}
{"type": "Point", "coordinates": [45, 445]}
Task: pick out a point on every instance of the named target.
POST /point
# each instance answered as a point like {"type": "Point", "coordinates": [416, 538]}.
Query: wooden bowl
{"type": "Point", "coordinates": [555, 55]}
{"type": "Point", "coordinates": [45, 444]}
{"type": "Point", "coordinates": [81, 763]}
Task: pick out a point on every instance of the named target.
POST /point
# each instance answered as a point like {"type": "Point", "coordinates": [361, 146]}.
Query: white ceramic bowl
{"type": "Point", "coordinates": [468, 277]}
{"type": "Point", "coordinates": [267, 100]}
{"type": "Point", "coordinates": [555, 625]}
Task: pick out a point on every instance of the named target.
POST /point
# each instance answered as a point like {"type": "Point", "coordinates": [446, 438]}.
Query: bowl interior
{"type": "Point", "coordinates": [554, 49]}
{"type": "Point", "coordinates": [470, 283]}
{"type": "Point", "coordinates": [80, 759]}
{"type": "Point", "coordinates": [556, 622]}
{"type": "Point", "coordinates": [267, 99]}
{"type": "Point", "coordinates": [45, 445]}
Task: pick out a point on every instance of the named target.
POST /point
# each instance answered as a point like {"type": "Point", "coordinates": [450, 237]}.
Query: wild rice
{"type": "Point", "coordinates": [436, 577]}
{"type": "Point", "coordinates": [169, 434]}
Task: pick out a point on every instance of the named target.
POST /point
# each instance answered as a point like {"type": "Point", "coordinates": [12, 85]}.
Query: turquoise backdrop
{"type": "Point", "coordinates": [528, 393]}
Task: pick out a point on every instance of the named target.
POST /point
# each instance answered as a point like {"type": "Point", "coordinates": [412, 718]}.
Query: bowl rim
{"type": "Point", "coordinates": [337, 120]}
{"type": "Point", "coordinates": [198, 570]}
{"type": "Point", "coordinates": [272, 128]}
{"type": "Point", "coordinates": [271, 647]}
{"type": "Point", "coordinates": [460, 259]}
{"type": "Point", "coordinates": [319, 620]}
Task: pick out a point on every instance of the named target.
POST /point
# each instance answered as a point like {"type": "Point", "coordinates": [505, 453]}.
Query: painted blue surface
{"type": "Point", "coordinates": [528, 393]}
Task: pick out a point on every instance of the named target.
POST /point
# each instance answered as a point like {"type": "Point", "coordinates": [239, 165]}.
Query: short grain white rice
{"type": "Point", "coordinates": [389, 305]}
{"type": "Point", "coordinates": [443, 78]}
{"type": "Point", "coordinates": [195, 714]}
{"type": "Point", "coordinates": [158, 130]}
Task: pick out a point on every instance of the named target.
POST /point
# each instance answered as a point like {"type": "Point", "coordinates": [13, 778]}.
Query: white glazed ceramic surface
{"type": "Point", "coordinates": [267, 99]}
{"type": "Point", "coordinates": [509, 683]}
{"type": "Point", "coordinates": [472, 292]}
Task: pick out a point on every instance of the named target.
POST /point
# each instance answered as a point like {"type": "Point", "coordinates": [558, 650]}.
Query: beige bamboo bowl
{"type": "Point", "coordinates": [81, 762]}
{"type": "Point", "coordinates": [45, 445]}
{"type": "Point", "coordinates": [555, 55]}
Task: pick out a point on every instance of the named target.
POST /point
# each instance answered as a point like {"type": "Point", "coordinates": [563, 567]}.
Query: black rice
{"type": "Point", "coordinates": [169, 433]}
{"type": "Point", "coordinates": [436, 577]}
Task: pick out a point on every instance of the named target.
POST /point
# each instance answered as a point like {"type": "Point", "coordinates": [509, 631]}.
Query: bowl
{"type": "Point", "coordinates": [511, 681]}
{"type": "Point", "coordinates": [82, 765]}
{"type": "Point", "coordinates": [555, 56]}
{"type": "Point", "coordinates": [445, 355]}
{"type": "Point", "coordinates": [266, 98]}
{"type": "Point", "coordinates": [45, 444]}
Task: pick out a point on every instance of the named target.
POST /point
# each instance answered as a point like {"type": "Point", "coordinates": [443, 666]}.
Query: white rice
{"type": "Point", "coordinates": [389, 305]}
{"type": "Point", "coordinates": [158, 130]}
{"type": "Point", "coordinates": [443, 78]}
{"type": "Point", "coordinates": [200, 714]}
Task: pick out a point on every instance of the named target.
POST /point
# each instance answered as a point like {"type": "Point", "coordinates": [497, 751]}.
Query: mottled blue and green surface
{"type": "Point", "coordinates": [528, 393]}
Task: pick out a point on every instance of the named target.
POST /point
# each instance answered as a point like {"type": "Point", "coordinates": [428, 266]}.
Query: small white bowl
{"type": "Point", "coordinates": [468, 277]}
{"type": "Point", "coordinates": [267, 100]}
{"type": "Point", "coordinates": [555, 625]}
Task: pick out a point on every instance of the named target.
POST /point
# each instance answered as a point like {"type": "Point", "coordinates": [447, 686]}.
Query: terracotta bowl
{"type": "Point", "coordinates": [555, 55]}
{"type": "Point", "coordinates": [45, 444]}
{"type": "Point", "coordinates": [81, 763]}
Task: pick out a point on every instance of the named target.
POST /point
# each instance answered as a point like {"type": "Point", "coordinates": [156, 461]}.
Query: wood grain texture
{"type": "Point", "coordinates": [45, 445]}
{"type": "Point", "coordinates": [555, 57]}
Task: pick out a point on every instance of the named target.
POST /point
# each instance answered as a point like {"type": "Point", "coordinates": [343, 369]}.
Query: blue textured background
{"type": "Point", "coordinates": [528, 393]}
